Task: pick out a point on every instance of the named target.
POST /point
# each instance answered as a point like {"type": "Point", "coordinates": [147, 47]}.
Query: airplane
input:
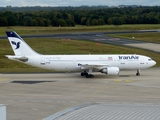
{"type": "Point", "coordinates": [110, 64]}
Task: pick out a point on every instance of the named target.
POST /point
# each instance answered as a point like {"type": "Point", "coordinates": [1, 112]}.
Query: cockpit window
{"type": "Point", "coordinates": [149, 59]}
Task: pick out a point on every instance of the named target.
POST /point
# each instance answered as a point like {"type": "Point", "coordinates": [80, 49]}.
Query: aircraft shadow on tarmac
{"type": "Point", "coordinates": [30, 82]}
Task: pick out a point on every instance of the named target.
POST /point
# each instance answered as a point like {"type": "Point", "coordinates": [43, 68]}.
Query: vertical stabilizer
{"type": "Point", "coordinates": [19, 46]}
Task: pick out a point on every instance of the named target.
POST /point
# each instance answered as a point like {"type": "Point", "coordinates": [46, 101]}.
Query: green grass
{"type": "Point", "coordinates": [57, 46]}
{"type": "Point", "coordinates": [149, 37]}
{"type": "Point", "coordinates": [77, 28]}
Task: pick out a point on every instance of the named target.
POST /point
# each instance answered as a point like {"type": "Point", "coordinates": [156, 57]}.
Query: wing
{"type": "Point", "coordinates": [93, 66]}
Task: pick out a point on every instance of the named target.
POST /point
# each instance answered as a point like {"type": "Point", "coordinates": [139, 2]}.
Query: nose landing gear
{"type": "Point", "coordinates": [138, 72]}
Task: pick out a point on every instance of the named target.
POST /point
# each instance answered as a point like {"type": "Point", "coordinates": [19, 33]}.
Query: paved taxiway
{"type": "Point", "coordinates": [37, 96]}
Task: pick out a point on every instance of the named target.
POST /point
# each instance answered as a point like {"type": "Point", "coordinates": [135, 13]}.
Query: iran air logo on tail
{"type": "Point", "coordinates": [16, 44]}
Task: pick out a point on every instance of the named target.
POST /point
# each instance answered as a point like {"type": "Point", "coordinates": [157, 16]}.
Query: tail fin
{"type": "Point", "coordinates": [19, 46]}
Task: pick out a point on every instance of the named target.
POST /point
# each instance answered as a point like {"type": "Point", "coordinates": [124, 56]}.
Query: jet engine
{"type": "Point", "coordinates": [110, 70]}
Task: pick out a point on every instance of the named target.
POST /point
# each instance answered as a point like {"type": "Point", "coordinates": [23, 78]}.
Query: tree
{"type": "Point", "coordinates": [117, 21]}
{"type": "Point", "coordinates": [88, 22]}
{"type": "Point", "coordinates": [65, 15]}
{"type": "Point", "coordinates": [110, 21]}
{"type": "Point", "coordinates": [83, 21]}
{"type": "Point", "coordinates": [12, 21]}
{"type": "Point", "coordinates": [59, 16]}
{"type": "Point", "coordinates": [61, 22]}
{"type": "Point", "coordinates": [94, 22]}
{"type": "Point", "coordinates": [46, 22]}
{"type": "Point", "coordinates": [34, 22]}
{"type": "Point", "coordinates": [28, 21]}
{"type": "Point", "coordinates": [3, 21]}
{"type": "Point", "coordinates": [82, 16]}
{"type": "Point", "coordinates": [70, 22]}
{"type": "Point", "coordinates": [40, 22]}
{"type": "Point", "coordinates": [101, 21]}
{"type": "Point", "coordinates": [54, 22]}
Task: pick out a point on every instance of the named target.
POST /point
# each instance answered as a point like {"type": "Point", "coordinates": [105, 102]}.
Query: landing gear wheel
{"type": "Point", "coordinates": [138, 74]}
{"type": "Point", "coordinates": [91, 76]}
{"type": "Point", "coordinates": [87, 75]}
{"type": "Point", "coordinates": [82, 74]}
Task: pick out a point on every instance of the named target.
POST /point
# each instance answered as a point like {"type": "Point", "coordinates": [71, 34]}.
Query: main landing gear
{"type": "Point", "coordinates": [87, 75]}
{"type": "Point", "coordinates": [138, 72]}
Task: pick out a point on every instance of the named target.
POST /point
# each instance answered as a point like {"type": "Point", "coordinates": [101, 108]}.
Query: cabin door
{"type": "Point", "coordinates": [42, 60]}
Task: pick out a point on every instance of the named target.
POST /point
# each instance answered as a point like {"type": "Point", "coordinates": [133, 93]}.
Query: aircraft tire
{"type": "Point", "coordinates": [91, 76]}
{"type": "Point", "coordinates": [138, 74]}
{"type": "Point", "coordinates": [87, 76]}
{"type": "Point", "coordinates": [82, 74]}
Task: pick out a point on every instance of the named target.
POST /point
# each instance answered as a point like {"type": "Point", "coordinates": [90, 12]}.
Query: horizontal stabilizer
{"type": "Point", "coordinates": [21, 58]}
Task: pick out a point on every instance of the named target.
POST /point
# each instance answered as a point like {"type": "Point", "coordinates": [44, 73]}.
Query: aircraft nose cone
{"type": "Point", "coordinates": [154, 62]}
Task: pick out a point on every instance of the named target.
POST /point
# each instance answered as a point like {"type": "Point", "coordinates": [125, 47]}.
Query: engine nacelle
{"type": "Point", "coordinates": [110, 70]}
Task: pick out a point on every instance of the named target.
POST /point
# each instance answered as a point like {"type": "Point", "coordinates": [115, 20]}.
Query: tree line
{"type": "Point", "coordinates": [88, 17]}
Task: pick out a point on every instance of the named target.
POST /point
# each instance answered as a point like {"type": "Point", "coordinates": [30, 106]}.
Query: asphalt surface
{"type": "Point", "coordinates": [37, 96]}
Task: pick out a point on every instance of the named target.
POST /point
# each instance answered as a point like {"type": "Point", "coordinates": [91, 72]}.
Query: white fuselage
{"type": "Point", "coordinates": [73, 62]}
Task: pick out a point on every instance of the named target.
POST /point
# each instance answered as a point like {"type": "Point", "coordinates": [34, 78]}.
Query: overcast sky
{"type": "Point", "coordinates": [20, 3]}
